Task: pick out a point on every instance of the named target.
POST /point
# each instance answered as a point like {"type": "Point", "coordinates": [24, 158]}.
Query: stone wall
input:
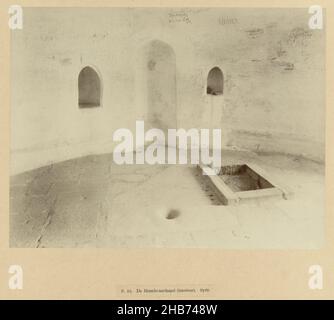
{"type": "Point", "coordinates": [273, 66]}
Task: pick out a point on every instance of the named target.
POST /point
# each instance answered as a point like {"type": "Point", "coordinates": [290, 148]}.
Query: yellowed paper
{"type": "Point", "coordinates": [79, 78]}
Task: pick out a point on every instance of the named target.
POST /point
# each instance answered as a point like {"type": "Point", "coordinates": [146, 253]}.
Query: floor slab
{"type": "Point", "coordinates": [92, 202]}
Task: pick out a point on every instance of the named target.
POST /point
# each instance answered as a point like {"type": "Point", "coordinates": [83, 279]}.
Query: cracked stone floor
{"type": "Point", "coordinates": [92, 202]}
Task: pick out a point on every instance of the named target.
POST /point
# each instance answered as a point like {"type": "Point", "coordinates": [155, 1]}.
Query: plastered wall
{"type": "Point", "coordinates": [273, 65]}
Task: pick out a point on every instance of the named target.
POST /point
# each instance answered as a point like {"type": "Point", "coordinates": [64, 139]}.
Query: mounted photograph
{"type": "Point", "coordinates": [169, 127]}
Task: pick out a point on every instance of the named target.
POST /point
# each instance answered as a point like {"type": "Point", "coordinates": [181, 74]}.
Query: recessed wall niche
{"type": "Point", "coordinates": [89, 86]}
{"type": "Point", "coordinates": [215, 82]}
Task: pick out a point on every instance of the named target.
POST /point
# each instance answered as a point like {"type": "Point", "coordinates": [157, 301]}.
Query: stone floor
{"type": "Point", "coordinates": [92, 202]}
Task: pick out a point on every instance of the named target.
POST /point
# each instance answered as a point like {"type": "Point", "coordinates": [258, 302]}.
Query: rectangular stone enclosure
{"type": "Point", "coordinates": [241, 183]}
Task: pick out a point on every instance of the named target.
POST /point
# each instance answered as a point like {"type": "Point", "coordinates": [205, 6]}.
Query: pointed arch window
{"type": "Point", "coordinates": [89, 86]}
{"type": "Point", "coordinates": [215, 82]}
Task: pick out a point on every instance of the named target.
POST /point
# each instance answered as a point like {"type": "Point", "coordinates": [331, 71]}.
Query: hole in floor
{"type": "Point", "coordinates": [173, 214]}
{"type": "Point", "coordinates": [243, 178]}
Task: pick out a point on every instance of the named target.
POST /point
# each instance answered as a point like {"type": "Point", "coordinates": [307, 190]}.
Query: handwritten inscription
{"type": "Point", "coordinates": [179, 17]}
{"type": "Point", "coordinates": [227, 20]}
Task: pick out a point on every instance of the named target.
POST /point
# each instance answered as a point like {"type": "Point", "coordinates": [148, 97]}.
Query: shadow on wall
{"type": "Point", "coordinates": [158, 72]}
